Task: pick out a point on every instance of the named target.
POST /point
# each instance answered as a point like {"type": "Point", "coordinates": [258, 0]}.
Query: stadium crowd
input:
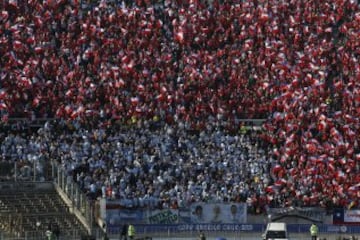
{"type": "Point", "coordinates": [182, 74]}
{"type": "Point", "coordinates": [156, 165]}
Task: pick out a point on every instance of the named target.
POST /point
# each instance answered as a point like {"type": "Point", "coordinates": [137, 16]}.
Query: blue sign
{"type": "Point", "coordinates": [177, 228]}
{"type": "Point", "coordinates": [250, 228]}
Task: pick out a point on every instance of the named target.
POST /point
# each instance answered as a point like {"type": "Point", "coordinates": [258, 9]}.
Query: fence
{"type": "Point", "coordinates": [81, 205]}
{"type": "Point", "coordinates": [7, 170]}
{"type": "Point", "coordinates": [24, 171]}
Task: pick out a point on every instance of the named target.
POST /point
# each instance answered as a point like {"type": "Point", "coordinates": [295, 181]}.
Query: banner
{"type": "Point", "coordinates": [174, 229]}
{"type": "Point", "coordinates": [186, 228]}
{"type": "Point", "coordinates": [344, 216]}
{"type": "Point", "coordinates": [352, 216]}
{"type": "Point", "coordinates": [117, 217]}
{"type": "Point", "coordinates": [218, 213]}
{"type": "Point", "coordinates": [208, 227]}
{"type": "Point", "coordinates": [184, 215]}
{"type": "Point", "coordinates": [314, 214]}
{"type": "Point", "coordinates": [338, 216]}
{"type": "Point", "coordinates": [168, 216]}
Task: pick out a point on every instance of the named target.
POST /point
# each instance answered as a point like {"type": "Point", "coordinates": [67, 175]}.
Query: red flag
{"type": "Point", "coordinates": [36, 102]}
{"type": "Point", "coordinates": [134, 101]}
{"type": "Point", "coordinates": [270, 189]}
{"type": "Point", "coordinates": [179, 36]}
{"type": "Point", "coordinates": [4, 15]}
{"type": "Point", "coordinates": [140, 88]}
{"type": "Point", "coordinates": [3, 106]}
{"type": "Point", "coordinates": [13, 3]}
{"type": "Point", "coordinates": [17, 45]}
{"type": "Point", "coordinates": [2, 94]}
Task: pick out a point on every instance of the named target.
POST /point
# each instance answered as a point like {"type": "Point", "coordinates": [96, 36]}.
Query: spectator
{"type": "Point", "coordinates": [124, 232]}
{"type": "Point", "coordinates": [182, 75]}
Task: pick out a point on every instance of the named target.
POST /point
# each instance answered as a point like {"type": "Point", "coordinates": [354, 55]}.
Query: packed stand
{"type": "Point", "coordinates": [149, 164]}
{"type": "Point", "coordinates": [124, 62]}
{"type": "Point", "coordinates": [295, 62]}
{"type": "Point", "coordinates": [315, 119]}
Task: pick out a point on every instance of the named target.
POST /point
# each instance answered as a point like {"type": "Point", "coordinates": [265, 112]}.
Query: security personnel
{"type": "Point", "coordinates": [314, 230]}
{"type": "Point", "coordinates": [202, 236]}
{"type": "Point", "coordinates": [50, 235]}
{"type": "Point", "coordinates": [131, 231]}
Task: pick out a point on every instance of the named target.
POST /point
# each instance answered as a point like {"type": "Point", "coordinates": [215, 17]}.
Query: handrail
{"type": "Point", "coordinates": [78, 202]}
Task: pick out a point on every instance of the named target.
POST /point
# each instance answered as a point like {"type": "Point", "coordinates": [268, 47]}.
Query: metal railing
{"type": "Point", "coordinates": [78, 200]}
{"type": "Point", "coordinates": [37, 235]}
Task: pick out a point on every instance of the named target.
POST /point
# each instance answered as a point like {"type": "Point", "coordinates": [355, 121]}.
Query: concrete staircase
{"type": "Point", "coordinates": [27, 210]}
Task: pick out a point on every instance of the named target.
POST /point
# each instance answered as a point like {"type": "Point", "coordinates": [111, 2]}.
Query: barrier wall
{"type": "Point", "coordinates": [231, 218]}
{"type": "Point", "coordinates": [174, 229]}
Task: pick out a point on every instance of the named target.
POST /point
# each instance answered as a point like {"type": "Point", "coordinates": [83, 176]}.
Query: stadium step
{"type": "Point", "coordinates": [24, 212]}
